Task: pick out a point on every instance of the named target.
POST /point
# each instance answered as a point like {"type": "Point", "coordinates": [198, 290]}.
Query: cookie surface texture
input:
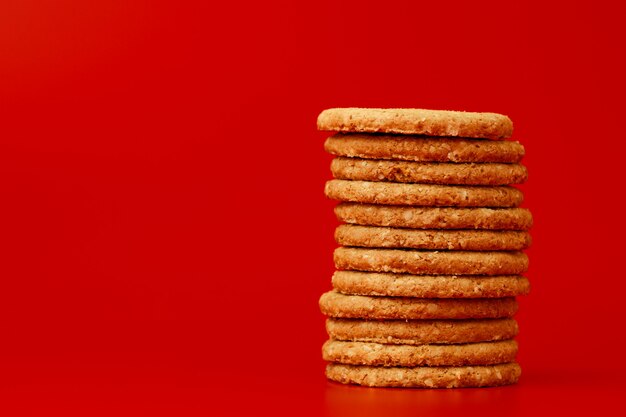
{"type": "Point", "coordinates": [376, 354]}
{"type": "Point", "coordinates": [431, 262]}
{"type": "Point", "coordinates": [419, 332]}
{"type": "Point", "coordinates": [415, 148]}
{"type": "Point", "coordinates": [425, 377]}
{"type": "Point", "coordinates": [429, 286]}
{"type": "Point", "coordinates": [435, 217]}
{"type": "Point", "coordinates": [436, 195]}
{"type": "Point", "coordinates": [387, 237]}
{"type": "Point", "coordinates": [416, 121]}
{"type": "Point", "coordinates": [334, 304]}
{"type": "Point", "coordinates": [356, 169]}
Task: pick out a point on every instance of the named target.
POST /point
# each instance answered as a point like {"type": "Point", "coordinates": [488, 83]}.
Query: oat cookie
{"type": "Point", "coordinates": [423, 194]}
{"type": "Point", "coordinates": [429, 286]}
{"type": "Point", "coordinates": [387, 237]}
{"type": "Point", "coordinates": [417, 121]}
{"type": "Point", "coordinates": [435, 217]}
{"type": "Point", "coordinates": [334, 304]}
{"type": "Point", "coordinates": [431, 262]}
{"type": "Point", "coordinates": [426, 376]}
{"type": "Point", "coordinates": [357, 169]}
{"type": "Point", "coordinates": [419, 332]}
{"type": "Point", "coordinates": [376, 354]}
{"type": "Point", "coordinates": [421, 149]}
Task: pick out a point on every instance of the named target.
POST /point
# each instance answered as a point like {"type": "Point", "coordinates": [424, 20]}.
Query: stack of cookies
{"type": "Point", "coordinates": [431, 256]}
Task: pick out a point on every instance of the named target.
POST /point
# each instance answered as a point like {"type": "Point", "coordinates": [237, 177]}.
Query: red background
{"type": "Point", "coordinates": [165, 234]}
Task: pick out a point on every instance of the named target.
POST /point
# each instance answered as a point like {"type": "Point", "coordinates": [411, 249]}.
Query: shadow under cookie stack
{"type": "Point", "coordinates": [431, 256]}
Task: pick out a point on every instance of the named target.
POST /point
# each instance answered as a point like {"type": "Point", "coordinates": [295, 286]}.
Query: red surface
{"type": "Point", "coordinates": [165, 235]}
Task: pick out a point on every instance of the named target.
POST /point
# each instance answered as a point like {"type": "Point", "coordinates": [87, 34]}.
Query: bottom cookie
{"type": "Point", "coordinates": [426, 377]}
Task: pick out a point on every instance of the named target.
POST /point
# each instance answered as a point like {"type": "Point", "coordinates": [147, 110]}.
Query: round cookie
{"type": "Point", "coordinates": [334, 304]}
{"type": "Point", "coordinates": [387, 237]}
{"type": "Point", "coordinates": [416, 121]}
{"type": "Point", "coordinates": [429, 286]}
{"type": "Point", "coordinates": [431, 262]}
{"type": "Point", "coordinates": [425, 376]}
{"type": "Point", "coordinates": [423, 194]}
{"type": "Point", "coordinates": [357, 169]}
{"type": "Point", "coordinates": [419, 332]}
{"type": "Point", "coordinates": [376, 354]}
{"type": "Point", "coordinates": [420, 149]}
{"type": "Point", "coordinates": [435, 217]}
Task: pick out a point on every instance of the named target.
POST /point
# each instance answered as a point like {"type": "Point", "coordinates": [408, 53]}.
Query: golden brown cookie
{"type": "Point", "coordinates": [431, 262]}
{"type": "Point", "coordinates": [416, 121]}
{"type": "Point", "coordinates": [376, 354]}
{"type": "Point", "coordinates": [429, 286]}
{"type": "Point", "coordinates": [334, 304]}
{"type": "Point", "coordinates": [435, 217]}
{"type": "Point", "coordinates": [420, 149]}
{"type": "Point", "coordinates": [419, 332]}
{"type": "Point", "coordinates": [357, 169]}
{"type": "Point", "coordinates": [423, 194]}
{"type": "Point", "coordinates": [425, 376]}
{"type": "Point", "coordinates": [387, 237]}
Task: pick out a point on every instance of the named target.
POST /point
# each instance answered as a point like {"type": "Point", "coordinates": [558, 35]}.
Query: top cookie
{"type": "Point", "coordinates": [417, 122]}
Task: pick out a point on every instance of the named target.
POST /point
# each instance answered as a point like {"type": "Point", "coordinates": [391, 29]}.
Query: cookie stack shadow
{"type": "Point", "coordinates": [430, 258]}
